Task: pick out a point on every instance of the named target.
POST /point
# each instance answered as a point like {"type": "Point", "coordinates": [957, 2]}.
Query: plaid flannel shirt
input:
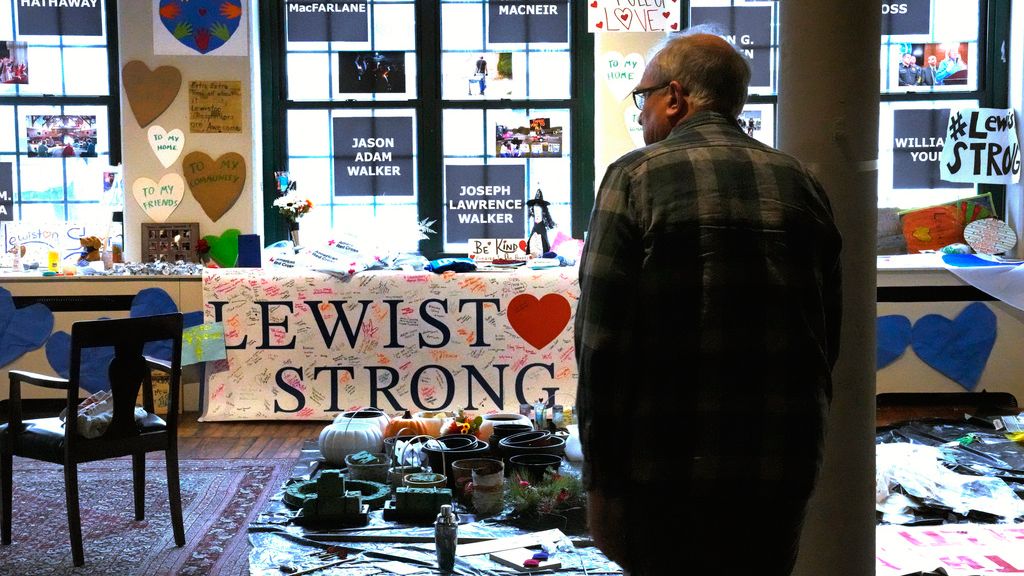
{"type": "Point", "coordinates": [708, 321]}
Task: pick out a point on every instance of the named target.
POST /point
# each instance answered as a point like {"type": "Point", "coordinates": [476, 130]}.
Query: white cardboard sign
{"type": "Point", "coordinates": [159, 199]}
{"type": "Point", "coordinates": [166, 145]}
{"type": "Point", "coordinates": [981, 146]}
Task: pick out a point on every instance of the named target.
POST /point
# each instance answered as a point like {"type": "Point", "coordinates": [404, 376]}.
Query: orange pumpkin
{"type": "Point", "coordinates": [408, 425]}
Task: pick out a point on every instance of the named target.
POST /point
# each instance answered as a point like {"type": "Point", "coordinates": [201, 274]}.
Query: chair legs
{"type": "Point", "coordinates": [6, 495]}
{"type": "Point", "coordinates": [174, 495]}
{"type": "Point", "coordinates": [74, 516]}
{"type": "Point", "coordinates": [139, 484]}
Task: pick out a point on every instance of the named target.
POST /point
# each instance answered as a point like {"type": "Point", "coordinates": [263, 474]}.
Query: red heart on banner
{"type": "Point", "coordinates": [675, 26]}
{"type": "Point", "coordinates": [622, 13]}
{"type": "Point", "coordinates": [599, 24]}
{"type": "Point", "coordinates": [593, 4]}
{"type": "Point", "coordinates": [666, 14]}
{"type": "Point", "coordinates": [538, 321]}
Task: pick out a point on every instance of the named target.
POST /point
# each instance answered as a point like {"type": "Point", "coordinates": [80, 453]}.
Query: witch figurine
{"type": "Point", "coordinates": [540, 222]}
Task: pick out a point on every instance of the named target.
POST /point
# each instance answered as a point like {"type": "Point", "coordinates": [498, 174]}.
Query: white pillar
{"type": "Point", "coordinates": [828, 118]}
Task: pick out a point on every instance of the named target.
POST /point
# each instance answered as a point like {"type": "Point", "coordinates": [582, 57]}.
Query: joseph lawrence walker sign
{"type": "Point", "coordinates": [305, 345]}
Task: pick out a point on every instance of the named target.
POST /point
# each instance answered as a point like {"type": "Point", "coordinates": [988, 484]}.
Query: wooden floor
{"type": "Point", "coordinates": [243, 439]}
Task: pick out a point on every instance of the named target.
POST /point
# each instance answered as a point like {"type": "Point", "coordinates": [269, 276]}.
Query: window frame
{"type": "Point", "coordinates": [111, 102]}
{"type": "Point", "coordinates": [428, 104]}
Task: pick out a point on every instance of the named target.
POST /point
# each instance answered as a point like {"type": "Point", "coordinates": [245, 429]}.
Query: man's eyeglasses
{"type": "Point", "coordinates": [640, 94]}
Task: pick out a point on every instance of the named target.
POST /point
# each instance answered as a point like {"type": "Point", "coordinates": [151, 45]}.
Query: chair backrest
{"type": "Point", "coordinates": [129, 370]}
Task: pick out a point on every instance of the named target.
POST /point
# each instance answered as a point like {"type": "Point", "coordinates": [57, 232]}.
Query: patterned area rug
{"type": "Point", "coordinates": [219, 497]}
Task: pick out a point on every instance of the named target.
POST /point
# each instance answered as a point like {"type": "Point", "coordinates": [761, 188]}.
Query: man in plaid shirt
{"type": "Point", "coordinates": [706, 331]}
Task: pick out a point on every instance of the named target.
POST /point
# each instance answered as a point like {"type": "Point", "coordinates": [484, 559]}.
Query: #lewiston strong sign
{"type": "Point", "coordinates": [305, 345]}
{"type": "Point", "coordinates": [982, 147]}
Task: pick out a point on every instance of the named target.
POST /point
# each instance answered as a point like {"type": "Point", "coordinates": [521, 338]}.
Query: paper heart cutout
{"type": "Point", "coordinates": [21, 329]}
{"type": "Point", "coordinates": [159, 200]}
{"type": "Point", "coordinates": [202, 25]}
{"type": "Point", "coordinates": [622, 73]}
{"type": "Point", "coordinates": [538, 321]}
{"type": "Point", "coordinates": [149, 92]}
{"type": "Point", "coordinates": [959, 348]}
{"type": "Point", "coordinates": [166, 145]}
{"type": "Point", "coordinates": [636, 132]}
{"type": "Point", "coordinates": [96, 361]}
{"type": "Point", "coordinates": [224, 248]}
{"type": "Point", "coordinates": [216, 185]}
{"type": "Point", "coordinates": [893, 337]}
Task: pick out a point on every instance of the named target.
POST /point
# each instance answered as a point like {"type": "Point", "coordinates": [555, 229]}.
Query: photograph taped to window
{"type": "Point", "coordinates": [371, 72]}
{"type": "Point", "coordinates": [538, 140]}
{"type": "Point", "coordinates": [932, 67]}
{"type": "Point", "coordinates": [61, 136]}
{"type": "Point", "coordinates": [13, 63]}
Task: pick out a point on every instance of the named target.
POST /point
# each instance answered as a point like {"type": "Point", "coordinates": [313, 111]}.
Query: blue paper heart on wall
{"type": "Point", "coordinates": [202, 25]}
{"type": "Point", "coordinates": [21, 329]}
{"type": "Point", "coordinates": [959, 348]}
{"type": "Point", "coordinates": [893, 339]}
{"type": "Point", "coordinates": [95, 361]}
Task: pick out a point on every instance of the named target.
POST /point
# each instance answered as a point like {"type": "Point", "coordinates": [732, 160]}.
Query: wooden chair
{"type": "Point", "coordinates": [49, 440]}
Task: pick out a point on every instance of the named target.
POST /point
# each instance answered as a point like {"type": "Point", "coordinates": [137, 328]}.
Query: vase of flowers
{"type": "Point", "coordinates": [293, 206]}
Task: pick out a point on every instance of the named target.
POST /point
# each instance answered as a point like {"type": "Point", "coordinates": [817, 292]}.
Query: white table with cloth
{"type": "Point", "coordinates": [305, 345]}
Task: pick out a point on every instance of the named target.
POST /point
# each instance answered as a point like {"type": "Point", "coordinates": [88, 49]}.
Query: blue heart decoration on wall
{"type": "Point", "coordinates": [202, 25]}
{"type": "Point", "coordinates": [959, 348]}
{"type": "Point", "coordinates": [21, 329]}
{"type": "Point", "coordinates": [893, 339]}
{"type": "Point", "coordinates": [95, 361]}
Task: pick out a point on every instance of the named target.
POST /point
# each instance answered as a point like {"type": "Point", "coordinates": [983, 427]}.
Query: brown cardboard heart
{"type": "Point", "coordinates": [216, 184]}
{"type": "Point", "coordinates": [150, 92]}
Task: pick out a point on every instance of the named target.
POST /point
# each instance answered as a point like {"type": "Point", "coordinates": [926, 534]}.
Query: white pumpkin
{"type": "Point", "coordinates": [364, 415]}
{"type": "Point", "coordinates": [348, 437]}
{"type": "Point", "coordinates": [489, 420]}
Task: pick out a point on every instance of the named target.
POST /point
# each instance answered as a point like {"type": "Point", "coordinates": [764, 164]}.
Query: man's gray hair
{"type": "Point", "coordinates": [715, 74]}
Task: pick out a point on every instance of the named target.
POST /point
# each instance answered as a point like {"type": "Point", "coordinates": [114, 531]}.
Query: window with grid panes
{"type": "Point", "coordinates": [59, 117]}
{"type": "Point", "coordinates": [453, 111]}
{"type": "Point", "coordinates": [934, 58]}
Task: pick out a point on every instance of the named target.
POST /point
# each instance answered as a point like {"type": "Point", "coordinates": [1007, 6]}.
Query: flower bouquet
{"type": "Point", "coordinates": [293, 206]}
{"type": "Point", "coordinates": [556, 501]}
{"type": "Point", "coordinates": [463, 424]}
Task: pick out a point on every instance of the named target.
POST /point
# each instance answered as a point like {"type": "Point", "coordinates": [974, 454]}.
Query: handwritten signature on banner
{"type": "Point", "coordinates": [394, 340]}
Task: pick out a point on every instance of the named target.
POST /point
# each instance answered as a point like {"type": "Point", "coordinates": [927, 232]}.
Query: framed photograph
{"type": "Point", "coordinates": [169, 242]}
{"type": "Point", "coordinates": [61, 136]}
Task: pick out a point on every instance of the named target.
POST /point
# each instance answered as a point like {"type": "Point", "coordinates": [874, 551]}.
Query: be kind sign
{"type": "Point", "coordinates": [305, 345]}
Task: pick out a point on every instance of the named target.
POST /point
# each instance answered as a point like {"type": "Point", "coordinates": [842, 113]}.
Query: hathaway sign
{"type": "Point", "coordinates": [305, 345]}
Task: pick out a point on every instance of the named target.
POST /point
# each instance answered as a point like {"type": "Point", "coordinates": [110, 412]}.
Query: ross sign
{"type": "Point", "coordinates": [319, 21]}
{"type": "Point", "coordinates": [749, 29]}
{"type": "Point", "coordinates": [305, 345]}
{"type": "Point", "coordinates": [982, 147]}
{"type": "Point", "coordinates": [527, 21]}
{"type": "Point", "coordinates": [484, 201]}
{"type": "Point", "coordinates": [60, 18]}
{"type": "Point", "coordinates": [6, 192]}
{"type": "Point", "coordinates": [215, 106]}
{"type": "Point", "coordinates": [633, 16]}
{"type": "Point", "coordinates": [918, 136]}
{"type": "Point", "coordinates": [901, 17]}
{"type": "Point", "coordinates": [373, 156]}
